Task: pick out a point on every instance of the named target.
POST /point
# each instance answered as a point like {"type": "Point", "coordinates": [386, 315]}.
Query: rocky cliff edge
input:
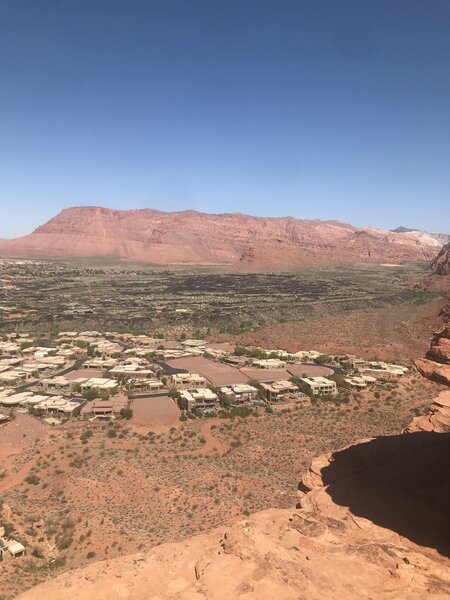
{"type": "Point", "coordinates": [372, 523]}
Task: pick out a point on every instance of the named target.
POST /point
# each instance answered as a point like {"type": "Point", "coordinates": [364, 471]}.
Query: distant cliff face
{"type": "Point", "coordinates": [441, 264]}
{"type": "Point", "coordinates": [438, 239]}
{"type": "Point", "coordinates": [193, 238]}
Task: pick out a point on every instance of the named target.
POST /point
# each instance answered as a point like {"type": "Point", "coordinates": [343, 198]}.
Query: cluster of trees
{"type": "Point", "coordinates": [126, 413]}
{"type": "Point", "coordinates": [255, 353]}
{"type": "Point", "coordinates": [323, 359]}
{"type": "Point", "coordinates": [261, 391]}
{"type": "Point", "coordinates": [302, 386]}
{"type": "Point", "coordinates": [236, 329]}
{"type": "Point", "coordinates": [92, 394]}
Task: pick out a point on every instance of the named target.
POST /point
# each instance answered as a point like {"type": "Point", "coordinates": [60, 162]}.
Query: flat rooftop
{"type": "Point", "coordinates": [86, 373]}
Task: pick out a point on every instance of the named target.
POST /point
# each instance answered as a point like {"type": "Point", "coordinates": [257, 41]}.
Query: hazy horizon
{"type": "Point", "coordinates": [325, 110]}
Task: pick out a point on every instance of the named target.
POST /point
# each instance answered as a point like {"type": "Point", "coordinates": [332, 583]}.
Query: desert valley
{"type": "Point", "coordinates": [163, 425]}
{"type": "Point", "coordinates": [224, 300]}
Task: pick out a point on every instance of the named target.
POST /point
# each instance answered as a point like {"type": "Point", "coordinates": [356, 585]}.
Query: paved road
{"type": "Point", "coordinates": [168, 370]}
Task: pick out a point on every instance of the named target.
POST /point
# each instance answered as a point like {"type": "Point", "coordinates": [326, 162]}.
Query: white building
{"type": "Point", "coordinates": [240, 392]}
{"type": "Point", "coordinates": [58, 405]}
{"type": "Point", "coordinates": [151, 385]}
{"type": "Point", "coordinates": [56, 383]}
{"type": "Point", "coordinates": [384, 371]}
{"type": "Point", "coordinates": [359, 383]}
{"type": "Point", "coordinates": [199, 398]}
{"type": "Point", "coordinates": [100, 363]}
{"type": "Point", "coordinates": [306, 355]}
{"type": "Point", "coordinates": [131, 370]}
{"type": "Point", "coordinates": [277, 390]}
{"type": "Point", "coordinates": [321, 385]}
{"type": "Point", "coordinates": [13, 377]}
{"type": "Point", "coordinates": [188, 381]}
{"type": "Point", "coordinates": [269, 363]}
{"type": "Point", "coordinates": [101, 384]}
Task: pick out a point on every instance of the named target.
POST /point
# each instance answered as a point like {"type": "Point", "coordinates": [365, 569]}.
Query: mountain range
{"type": "Point", "coordinates": [231, 239]}
{"type": "Point", "coordinates": [438, 238]}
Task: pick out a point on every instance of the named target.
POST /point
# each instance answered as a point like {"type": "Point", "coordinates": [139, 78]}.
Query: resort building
{"type": "Point", "coordinates": [199, 398]}
{"type": "Point", "coordinates": [240, 393]}
{"type": "Point", "coordinates": [188, 381]}
{"type": "Point", "coordinates": [104, 409]}
{"type": "Point", "coordinates": [279, 390]}
{"type": "Point", "coordinates": [58, 405]}
{"type": "Point", "coordinates": [269, 363]}
{"type": "Point", "coordinates": [321, 385]}
{"type": "Point", "coordinates": [145, 385]}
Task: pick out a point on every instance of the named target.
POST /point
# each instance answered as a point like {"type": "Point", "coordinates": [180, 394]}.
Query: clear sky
{"type": "Point", "coordinates": [330, 109]}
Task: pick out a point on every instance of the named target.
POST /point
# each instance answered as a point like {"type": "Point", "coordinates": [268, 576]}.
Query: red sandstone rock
{"type": "Point", "coordinates": [441, 264]}
{"type": "Point", "coordinates": [436, 365]}
{"type": "Point", "coordinates": [372, 525]}
{"type": "Point", "coordinates": [437, 419]}
{"type": "Point", "coordinates": [440, 349]}
{"type": "Point", "coordinates": [190, 237]}
{"type": "Point", "coordinates": [433, 370]}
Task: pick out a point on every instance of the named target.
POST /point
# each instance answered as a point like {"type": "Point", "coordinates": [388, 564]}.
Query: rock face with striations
{"type": "Point", "coordinates": [437, 419]}
{"type": "Point", "coordinates": [194, 238]}
{"type": "Point", "coordinates": [441, 264]}
{"type": "Point", "coordinates": [436, 365]}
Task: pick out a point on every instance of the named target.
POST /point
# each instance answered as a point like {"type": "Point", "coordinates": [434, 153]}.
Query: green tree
{"type": "Point", "coordinates": [340, 380]}
{"type": "Point", "coordinates": [90, 394]}
{"type": "Point", "coordinates": [323, 359]}
{"type": "Point", "coordinates": [240, 351]}
{"type": "Point", "coordinates": [258, 353]}
{"type": "Point", "coordinates": [261, 391]}
{"type": "Point", "coordinates": [126, 413]}
{"type": "Point", "coordinates": [302, 386]}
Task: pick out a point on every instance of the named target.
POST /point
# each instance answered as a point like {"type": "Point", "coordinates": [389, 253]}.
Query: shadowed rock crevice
{"type": "Point", "coordinates": [398, 482]}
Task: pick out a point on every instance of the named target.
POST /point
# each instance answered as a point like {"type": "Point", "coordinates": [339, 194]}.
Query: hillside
{"type": "Point", "coordinates": [193, 238]}
{"type": "Point", "coordinates": [371, 524]}
{"type": "Point", "coordinates": [437, 239]}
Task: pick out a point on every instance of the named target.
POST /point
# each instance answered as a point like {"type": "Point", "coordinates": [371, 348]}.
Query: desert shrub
{"type": "Point", "coordinates": [64, 539]}
{"type": "Point", "coordinates": [126, 413]}
{"type": "Point", "coordinates": [32, 479]}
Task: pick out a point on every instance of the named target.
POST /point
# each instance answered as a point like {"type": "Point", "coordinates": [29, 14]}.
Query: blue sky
{"type": "Point", "coordinates": [316, 109]}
